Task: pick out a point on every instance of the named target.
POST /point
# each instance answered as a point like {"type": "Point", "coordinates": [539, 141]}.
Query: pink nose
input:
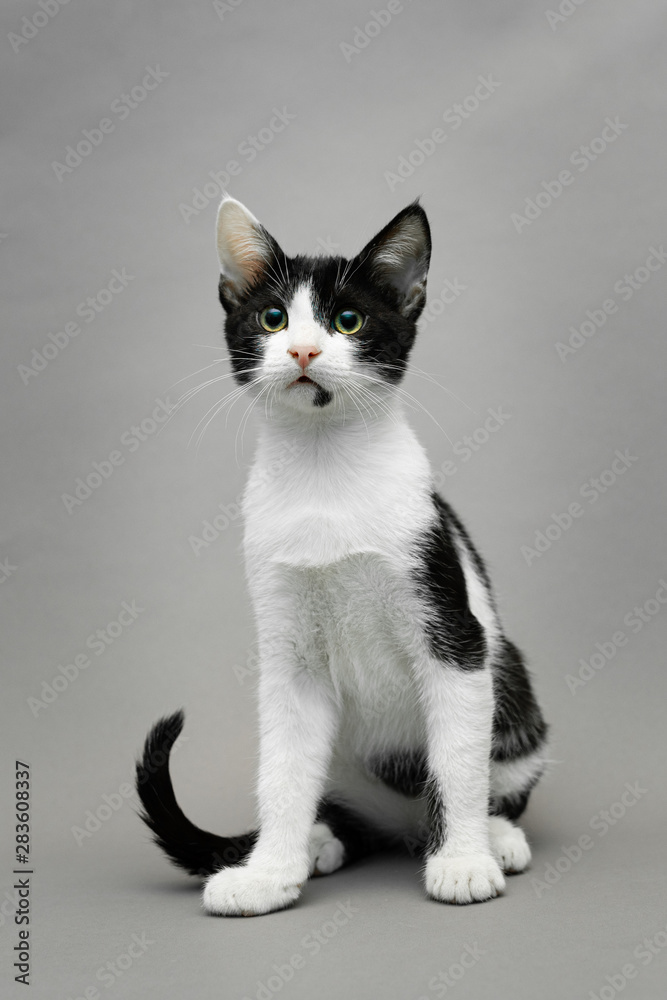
{"type": "Point", "coordinates": [304, 355]}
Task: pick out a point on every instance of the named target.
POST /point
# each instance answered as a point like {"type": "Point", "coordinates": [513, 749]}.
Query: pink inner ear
{"type": "Point", "coordinates": [249, 262]}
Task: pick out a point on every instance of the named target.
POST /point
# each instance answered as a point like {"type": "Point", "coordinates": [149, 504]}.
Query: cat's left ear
{"type": "Point", "coordinates": [245, 250]}
{"type": "Point", "coordinates": [398, 258]}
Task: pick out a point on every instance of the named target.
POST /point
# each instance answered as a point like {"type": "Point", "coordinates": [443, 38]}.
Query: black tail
{"type": "Point", "coordinates": [195, 850]}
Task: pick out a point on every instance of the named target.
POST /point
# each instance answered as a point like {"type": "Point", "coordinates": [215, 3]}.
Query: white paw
{"type": "Point", "coordinates": [468, 878]}
{"type": "Point", "coordinates": [508, 845]}
{"type": "Point", "coordinates": [326, 851]}
{"type": "Point", "coordinates": [242, 891]}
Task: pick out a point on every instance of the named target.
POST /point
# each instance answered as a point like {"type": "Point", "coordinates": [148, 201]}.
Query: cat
{"type": "Point", "coordinates": [393, 710]}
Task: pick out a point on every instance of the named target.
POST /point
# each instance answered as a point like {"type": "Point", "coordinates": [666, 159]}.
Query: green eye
{"type": "Point", "coordinates": [273, 319]}
{"type": "Point", "coordinates": [348, 321]}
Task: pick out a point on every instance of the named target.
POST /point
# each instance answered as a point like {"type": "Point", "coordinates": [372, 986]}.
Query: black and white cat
{"type": "Point", "coordinates": [393, 709]}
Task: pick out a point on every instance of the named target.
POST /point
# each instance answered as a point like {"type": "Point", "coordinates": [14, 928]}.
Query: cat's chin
{"type": "Point", "coordinates": [305, 395]}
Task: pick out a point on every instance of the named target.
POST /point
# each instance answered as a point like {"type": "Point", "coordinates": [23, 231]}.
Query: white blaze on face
{"type": "Point", "coordinates": [303, 329]}
{"type": "Point", "coordinates": [333, 351]}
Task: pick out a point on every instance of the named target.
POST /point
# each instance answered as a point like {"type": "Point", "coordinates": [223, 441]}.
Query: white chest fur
{"type": "Point", "coordinates": [319, 494]}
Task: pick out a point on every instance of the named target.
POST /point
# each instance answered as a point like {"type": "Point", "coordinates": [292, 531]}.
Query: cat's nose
{"type": "Point", "coordinates": [304, 355]}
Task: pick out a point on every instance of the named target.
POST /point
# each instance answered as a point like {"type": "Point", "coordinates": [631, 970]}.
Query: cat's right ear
{"type": "Point", "coordinates": [245, 250]}
{"type": "Point", "coordinates": [398, 258]}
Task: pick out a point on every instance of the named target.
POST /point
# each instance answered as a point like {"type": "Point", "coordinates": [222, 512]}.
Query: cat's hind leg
{"type": "Point", "coordinates": [508, 845]}
{"type": "Point", "coordinates": [327, 852]}
{"type": "Point", "coordinates": [339, 837]}
{"type": "Point", "coordinates": [511, 784]}
{"type": "Point", "coordinates": [517, 757]}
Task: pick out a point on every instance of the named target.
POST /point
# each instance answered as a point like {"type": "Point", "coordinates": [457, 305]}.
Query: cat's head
{"type": "Point", "coordinates": [321, 335]}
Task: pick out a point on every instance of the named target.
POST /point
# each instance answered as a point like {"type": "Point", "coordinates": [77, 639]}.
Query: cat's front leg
{"type": "Point", "coordinates": [297, 726]}
{"type": "Point", "coordinates": [460, 867]}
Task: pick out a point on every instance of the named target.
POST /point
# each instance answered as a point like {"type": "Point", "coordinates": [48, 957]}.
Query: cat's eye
{"type": "Point", "coordinates": [348, 321]}
{"type": "Point", "coordinates": [273, 319]}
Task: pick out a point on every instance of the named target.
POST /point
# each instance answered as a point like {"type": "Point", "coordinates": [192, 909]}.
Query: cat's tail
{"type": "Point", "coordinates": [198, 852]}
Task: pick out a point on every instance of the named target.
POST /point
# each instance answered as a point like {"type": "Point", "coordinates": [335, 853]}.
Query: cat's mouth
{"type": "Point", "coordinates": [302, 380]}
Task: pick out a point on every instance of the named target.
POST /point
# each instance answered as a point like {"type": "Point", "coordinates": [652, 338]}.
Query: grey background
{"type": "Point", "coordinates": [323, 179]}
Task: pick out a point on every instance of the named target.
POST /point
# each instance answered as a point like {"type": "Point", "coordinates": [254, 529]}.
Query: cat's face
{"type": "Point", "coordinates": [321, 335]}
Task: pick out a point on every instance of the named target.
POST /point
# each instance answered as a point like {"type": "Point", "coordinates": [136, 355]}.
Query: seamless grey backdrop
{"type": "Point", "coordinates": [535, 135]}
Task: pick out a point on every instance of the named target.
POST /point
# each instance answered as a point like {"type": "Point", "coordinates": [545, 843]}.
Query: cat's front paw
{"type": "Point", "coordinates": [468, 878]}
{"type": "Point", "coordinates": [246, 892]}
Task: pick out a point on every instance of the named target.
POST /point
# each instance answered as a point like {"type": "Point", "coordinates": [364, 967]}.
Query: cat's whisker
{"type": "Point", "coordinates": [348, 275]}
{"type": "Point", "coordinates": [411, 400]}
{"type": "Point", "coordinates": [182, 400]}
{"type": "Point", "coordinates": [429, 378]}
{"type": "Point", "coordinates": [218, 361]}
{"type": "Point", "coordinates": [362, 417]}
{"type": "Point", "coordinates": [230, 399]}
{"type": "Point", "coordinates": [189, 393]}
{"type": "Point", "coordinates": [187, 396]}
{"type": "Point", "coordinates": [381, 403]}
{"type": "Point", "coordinates": [373, 398]}
{"type": "Point", "coordinates": [246, 416]}
{"type": "Point", "coordinates": [266, 377]}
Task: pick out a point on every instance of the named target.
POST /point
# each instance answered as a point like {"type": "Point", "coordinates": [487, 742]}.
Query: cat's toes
{"type": "Point", "coordinates": [244, 892]}
{"type": "Point", "coordinates": [509, 845]}
{"type": "Point", "coordinates": [326, 851]}
{"type": "Point", "coordinates": [468, 878]}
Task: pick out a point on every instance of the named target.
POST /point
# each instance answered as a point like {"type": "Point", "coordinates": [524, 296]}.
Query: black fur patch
{"type": "Point", "coordinates": [437, 819]}
{"type": "Point", "coordinates": [454, 519]}
{"type": "Point", "coordinates": [518, 725]}
{"type": "Point", "coordinates": [453, 631]}
{"type": "Point", "coordinates": [322, 397]}
{"type": "Point", "coordinates": [404, 771]}
{"type": "Point", "coordinates": [357, 835]}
